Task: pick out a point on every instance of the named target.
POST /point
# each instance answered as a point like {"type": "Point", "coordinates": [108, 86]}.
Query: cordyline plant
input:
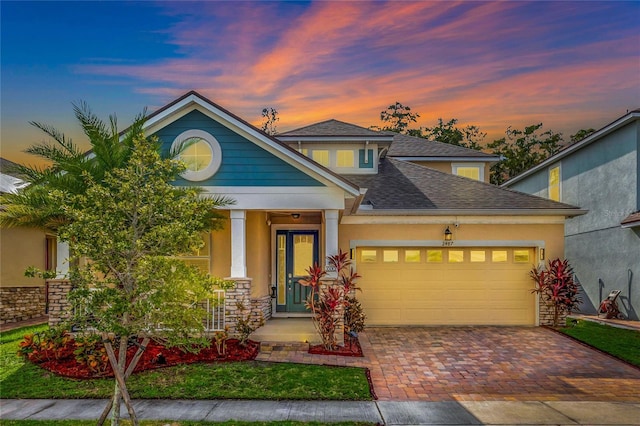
{"type": "Point", "coordinates": [131, 226]}
{"type": "Point", "coordinates": [557, 287]}
{"type": "Point", "coordinates": [327, 302]}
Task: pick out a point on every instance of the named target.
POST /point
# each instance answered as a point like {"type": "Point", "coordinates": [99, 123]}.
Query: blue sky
{"type": "Point", "coordinates": [569, 65]}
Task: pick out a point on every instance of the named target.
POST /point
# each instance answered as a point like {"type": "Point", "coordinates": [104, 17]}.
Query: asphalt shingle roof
{"type": "Point", "coordinates": [333, 128]}
{"type": "Point", "coordinates": [411, 146]}
{"type": "Point", "coordinates": [400, 185]}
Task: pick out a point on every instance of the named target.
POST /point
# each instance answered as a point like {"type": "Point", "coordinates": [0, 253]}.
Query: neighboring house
{"type": "Point", "coordinates": [601, 174]}
{"type": "Point", "coordinates": [21, 297]}
{"type": "Point", "coordinates": [432, 247]}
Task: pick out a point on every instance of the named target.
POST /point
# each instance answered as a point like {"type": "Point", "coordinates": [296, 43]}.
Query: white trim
{"type": "Point", "coordinates": [354, 244]}
{"type": "Point", "coordinates": [448, 220]}
{"type": "Point", "coordinates": [622, 121]}
{"type": "Point", "coordinates": [216, 154]}
{"type": "Point", "coordinates": [62, 259]}
{"type": "Point", "coordinates": [490, 159]}
{"type": "Point", "coordinates": [479, 166]}
{"type": "Point", "coordinates": [331, 218]}
{"type": "Point", "coordinates": [193, 102]}
{"type": "Point", "coordinates": [238, 243]}
{"type": "Point", "coordinates": [369, 211]}
{"type": "Point", "coordinates": [280, 198]}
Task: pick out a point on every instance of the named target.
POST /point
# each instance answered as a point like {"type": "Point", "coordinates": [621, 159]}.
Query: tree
{"type": "Point", "coordinates": [522, 149]}
{"type": "Point", "coordinates": [467, 137]}
{"type": "Point", "coordinates": [581, 134]}
{"type": "Point", "coordinates": [131, 225]}
{"type": "Point", "coordinates": [33, 206]}
{"type": "Point", "coordinates": [396, 118]}
{"type": "Point", "coordinates": [270, 117]}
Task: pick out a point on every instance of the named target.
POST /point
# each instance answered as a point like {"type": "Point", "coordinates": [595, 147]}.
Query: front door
{"type": "Point", "coordinates": [296, 252]}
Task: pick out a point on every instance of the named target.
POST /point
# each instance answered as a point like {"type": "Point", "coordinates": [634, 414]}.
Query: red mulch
{"type": "Point", "coordinates": [155, 356]}
{"type": "Point", "coordinates": [351, 348]}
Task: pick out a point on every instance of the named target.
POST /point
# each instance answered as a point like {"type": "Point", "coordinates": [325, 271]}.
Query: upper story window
{"type": "Point", "coordinates": [321, 156]}
{"type": "Point", "coordinates": [473, 171]}
{"type": "Point", "coordinates": [345, 158]}
{"type": "Point", "coordinates": [554, 183]}
{"type": "Point", "coordinates": [200, 152]}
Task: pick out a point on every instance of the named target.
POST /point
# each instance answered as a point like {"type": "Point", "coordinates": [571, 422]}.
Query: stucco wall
{"type": "Point", "coordinates": [258, 253]}
{"type": "Point", "coordinates": [551, 234]}
{"type": "Point", "coordinates": [19, 249]}
{"type": "Point", "coordinates": [221, 250]}
{"type": "Point", "coordinates": [445, 166]}
{"type": "Point", "coordinates": [603, 178]}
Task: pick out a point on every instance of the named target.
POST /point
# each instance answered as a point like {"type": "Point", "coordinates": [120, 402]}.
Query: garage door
{"type": "Point", "coordinates": [446, 286]}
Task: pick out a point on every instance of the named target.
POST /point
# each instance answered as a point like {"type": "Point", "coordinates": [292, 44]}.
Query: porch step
{"type": "Point", "coordinates": [283, 347]}
{"type": "Point", "coordinates": [287, 330]}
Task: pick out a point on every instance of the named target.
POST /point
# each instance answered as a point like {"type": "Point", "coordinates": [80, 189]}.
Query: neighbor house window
{"type": "Point", "coordinates": [554, 183]}
{"type": "Point", "coordinates": [321, 156]}
{"type": "Point", "coordinates": [200, 152]}
{"type": "Point", "coordinates": [473, 171]}
{"type": "Point", "coordinates": [345, 158]}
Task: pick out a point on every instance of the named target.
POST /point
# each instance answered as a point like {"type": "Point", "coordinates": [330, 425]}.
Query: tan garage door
{"type": "Point", "coordinates": [446, 286]}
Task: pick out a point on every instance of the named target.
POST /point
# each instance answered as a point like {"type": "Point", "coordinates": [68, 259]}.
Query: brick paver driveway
{"type": "Point", "coordinates": [483, 363]}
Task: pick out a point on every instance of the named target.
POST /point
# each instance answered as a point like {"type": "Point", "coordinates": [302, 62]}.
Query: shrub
{"type": "Point", "coordinates": [244, 326]}
{"type": "Point", "coordinates": [557, 287]}
{"type": "Point", "coordinates": [45, 345]}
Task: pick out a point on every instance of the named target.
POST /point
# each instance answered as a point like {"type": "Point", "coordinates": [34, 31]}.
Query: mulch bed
{"type": "Point", "coordinates": [351, 348]}
{"type": "Point", "coordinates": [155, 356]}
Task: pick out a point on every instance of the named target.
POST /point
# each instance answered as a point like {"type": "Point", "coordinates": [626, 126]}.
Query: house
{"type": "Point", "coordinates": [601, 174]}
{"type": "Point", "coordinates": [21, 297]}
{"type": "Point", "coordinates": [433, 248]}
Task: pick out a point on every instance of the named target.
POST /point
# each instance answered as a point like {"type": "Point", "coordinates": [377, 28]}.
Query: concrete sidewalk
{"type": "Point", "coordinates": [382, 412]}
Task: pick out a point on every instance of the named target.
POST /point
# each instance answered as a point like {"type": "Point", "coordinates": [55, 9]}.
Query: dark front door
{"type": "Point", "coordinates": [296, 251]}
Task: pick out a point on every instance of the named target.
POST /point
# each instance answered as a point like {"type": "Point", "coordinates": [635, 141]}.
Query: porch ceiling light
{"type": "Point", "coordinates": [295, 215]}
{"type": "Point", "coordinates": [447, 234]}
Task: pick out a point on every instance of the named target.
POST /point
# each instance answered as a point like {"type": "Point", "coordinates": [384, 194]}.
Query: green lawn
{"type": "Point", "coordinates": [619, 342]}
{"type": "Point", "coordinates": [241, 380]}
{"type": "Point", "coordinates": [173, 423]}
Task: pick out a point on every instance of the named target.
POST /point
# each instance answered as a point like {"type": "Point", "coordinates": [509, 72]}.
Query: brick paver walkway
{"type": "Point", "coordinates": [482, 364]}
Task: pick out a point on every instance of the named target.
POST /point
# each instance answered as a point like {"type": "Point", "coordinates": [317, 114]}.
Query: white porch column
{"type": "Point", "coordinates": [331, 236]}
{"type": "Point", "coordinates": [62, 259]}
{"type": "Point", "coordinates": [238, 244]}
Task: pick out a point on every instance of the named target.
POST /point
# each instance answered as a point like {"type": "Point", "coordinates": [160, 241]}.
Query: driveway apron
{"type": "Point", "coordinates": [482, 364]}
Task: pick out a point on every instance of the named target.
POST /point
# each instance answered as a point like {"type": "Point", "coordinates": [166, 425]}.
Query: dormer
{"type": "Point", "coordinates": [341, 147]}
{"type": "Point", "coordinates": [444, 157]}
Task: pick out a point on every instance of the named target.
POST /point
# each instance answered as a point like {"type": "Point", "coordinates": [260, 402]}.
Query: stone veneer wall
{"type": "Point", "coordinates": [255, 308]}
{"type": "Point", "coordinates": [546, 314]}
{"type": "Point", "coordinates": [21, 303]}
{"type": "Point", "coordinates": [339, 333]}
{"type": "Point", "coordinates": [59, 306]}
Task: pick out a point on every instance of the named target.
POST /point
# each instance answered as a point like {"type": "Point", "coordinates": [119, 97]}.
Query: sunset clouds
{"type": "Point", "coordinates": [567, 64]}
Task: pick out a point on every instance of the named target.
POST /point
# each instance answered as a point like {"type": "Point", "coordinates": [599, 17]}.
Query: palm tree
{"type": "Point", "coordinates": [38, 205]}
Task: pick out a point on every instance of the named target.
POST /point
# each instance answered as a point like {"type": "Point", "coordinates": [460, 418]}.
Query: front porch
{"type": "Point", "coordinates": [287, 330]}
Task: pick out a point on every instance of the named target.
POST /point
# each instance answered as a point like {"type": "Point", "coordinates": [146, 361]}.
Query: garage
{"type": "Point", "coordinates": [446, 285]}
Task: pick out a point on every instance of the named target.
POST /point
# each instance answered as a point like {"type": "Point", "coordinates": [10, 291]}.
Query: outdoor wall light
{"type": "Point", "coordinates": [448, 234]}
{"type": "Point", "coordinates": [295, 215]}
{"type": "Point", "coordinates": [541, 254]}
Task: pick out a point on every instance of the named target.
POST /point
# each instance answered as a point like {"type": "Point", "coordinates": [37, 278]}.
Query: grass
{"type": "Point", "coordinates": [174, 423]}
{"type": "Point", "coordinates": [240, 380]}
{"type": "Point", "coordinates": [619, 342]}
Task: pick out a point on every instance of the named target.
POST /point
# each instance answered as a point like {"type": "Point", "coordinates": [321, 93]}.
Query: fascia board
{"type": "Point", "coordinates": [623, 121]}
{"type": "Point", "coordinates": [473, 212]}
{"type": "Point", "coordinates": [297, 160]}
{"type": "Point", "coordinates": [488, 159]}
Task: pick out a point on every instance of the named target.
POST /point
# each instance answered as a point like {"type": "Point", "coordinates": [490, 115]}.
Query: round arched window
{"type": "Point", "coordinates": [200, 152]}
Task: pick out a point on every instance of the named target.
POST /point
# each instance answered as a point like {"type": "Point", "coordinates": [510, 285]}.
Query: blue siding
{"type": "Point", "coordinates": [243, 162]}
{"type": "Point", "coordinates": [369, 163]}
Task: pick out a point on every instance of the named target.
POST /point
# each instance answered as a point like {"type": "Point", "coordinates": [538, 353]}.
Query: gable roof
{"type": "Point", "coordinates": [403, 186]}
{"type": "Point", "coordinates": [412, 146]}
{"type": "Point", "coordinates": [333, 128]}
{"type": "Point", "coordinates": [193, 100]}
{"type": "Point", "coordinates": [565, 152]}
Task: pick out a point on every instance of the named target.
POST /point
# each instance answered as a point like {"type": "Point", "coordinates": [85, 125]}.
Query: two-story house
{"type": "Point", "coordinates": [434, 243]}
{"type": "Point", "coordinates": [601, 174]}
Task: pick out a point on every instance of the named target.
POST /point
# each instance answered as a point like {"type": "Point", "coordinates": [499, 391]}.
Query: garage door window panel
{"type": "Point", "coordinates": [434, 256]}
{"type": "Point", "coordinates": [499, 256]}
{"type": "Point", "coordinates": [477, 256]}
{"type": "Point", "coordinates": [390, 256]}
{"type": "Point", "coordinates": [521, 256]}
{"type": "Point", "coordinates": [412, 256]}
{"type": "Point", "coordinates": [456, 256]}
{"type": "Point", "coordinates": [369, 256]}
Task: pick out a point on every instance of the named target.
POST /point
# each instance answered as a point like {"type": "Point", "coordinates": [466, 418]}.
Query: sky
{"type": "Point", "coordinates": [568, 65]}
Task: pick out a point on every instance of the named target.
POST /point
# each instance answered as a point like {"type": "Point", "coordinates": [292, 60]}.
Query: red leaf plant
{"type": "Point", "coordinates": [557, 287]}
